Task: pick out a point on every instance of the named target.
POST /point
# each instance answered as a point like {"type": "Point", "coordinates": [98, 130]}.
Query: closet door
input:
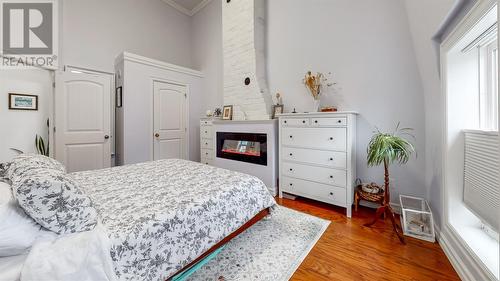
{"type": "Point", "coordinates": [170, 112]}
{"type": "Point", "coordinates": [83, 121]}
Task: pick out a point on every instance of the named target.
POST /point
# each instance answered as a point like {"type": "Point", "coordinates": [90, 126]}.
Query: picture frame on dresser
{"type": "Point", "coordinates": [227, 112]}
{"type": "Point", "coordinates": [317, 156]}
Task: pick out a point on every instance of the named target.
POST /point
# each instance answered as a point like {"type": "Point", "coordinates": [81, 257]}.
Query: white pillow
{"type": "Point", "coordinates": [18, 232]}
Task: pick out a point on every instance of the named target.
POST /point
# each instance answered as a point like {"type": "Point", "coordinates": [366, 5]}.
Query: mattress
{"type": "Point", "coordinates": [162, 215]}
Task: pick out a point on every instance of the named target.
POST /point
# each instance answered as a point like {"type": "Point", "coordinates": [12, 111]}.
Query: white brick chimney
{"type": "Point", "coordinates": [243, 33]}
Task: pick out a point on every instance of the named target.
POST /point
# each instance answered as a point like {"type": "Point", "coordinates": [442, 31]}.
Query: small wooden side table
{"type": "Point", "coordinates": [370, 197]}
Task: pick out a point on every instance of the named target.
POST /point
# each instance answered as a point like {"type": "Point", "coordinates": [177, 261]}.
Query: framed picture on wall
{"type": "Point", "coordinates": [227, 112]}
{"type": "Point", "coordinates": [277, 109]}
{"type": "Point", "coordinates": [23, 102]}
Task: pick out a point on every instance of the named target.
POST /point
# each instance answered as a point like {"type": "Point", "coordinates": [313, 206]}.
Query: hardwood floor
{"type": "Point", "coordinates": [350, 251]}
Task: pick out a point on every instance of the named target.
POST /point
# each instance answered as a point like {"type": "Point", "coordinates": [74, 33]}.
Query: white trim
{"type": "Point", "coordinates": [125, 56]}
{"type": "Point", "coordinates": [185, 11]}
{"type": "Point", "coordinates": [457, 251]}
{"type": "Point", "coordinates": [199, 7]}
{"type": "Point", "coordinates": [463, 259]}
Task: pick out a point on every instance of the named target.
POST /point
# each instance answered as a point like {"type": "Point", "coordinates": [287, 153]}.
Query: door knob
{"type": "Point", "coordinates": [157, 135]}
{"type": "Point", "coordinates": [106, 137]}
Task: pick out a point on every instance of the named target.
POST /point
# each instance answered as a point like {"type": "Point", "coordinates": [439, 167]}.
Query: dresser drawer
{"type": "Point", "coordinates": [207, 153]}
{"type": "Point", "coordinates": [317, 174]}
{"type": "Point", "coordinates": [205, 122]}
{"type": "Point", "coordinates": [319, 138]}
{"type": "Point", "coordinates": [317, 191]}
{"type": "Point", "coordinates": [206, 161]}
{"type": "Point", "coordinates": [297, 122]}
{"type": "Point", "coordinates": [320, 157]}
{"type": "Point", "coordinates": [206, 132]}
{"type": "Point", "coordinates": [206, 143]}
{"type": "Point", "coordinates": [329, 122]}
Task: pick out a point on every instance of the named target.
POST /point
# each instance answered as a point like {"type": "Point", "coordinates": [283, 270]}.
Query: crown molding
{"type": "Point", "coordinates": [185, 11]}
{"type": "Point", "coordinates": [126, 56]}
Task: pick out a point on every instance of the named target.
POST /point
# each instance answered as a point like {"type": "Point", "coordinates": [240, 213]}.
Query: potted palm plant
{"type": "Point", "coordinates": [386, 149]}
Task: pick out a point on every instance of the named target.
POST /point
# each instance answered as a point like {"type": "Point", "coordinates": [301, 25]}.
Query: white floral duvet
{"type": "Point", "coordinates": [162, 215]}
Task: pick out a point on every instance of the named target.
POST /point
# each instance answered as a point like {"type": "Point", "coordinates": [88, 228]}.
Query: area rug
{"type": "Point", "coordinates": [272, 249]}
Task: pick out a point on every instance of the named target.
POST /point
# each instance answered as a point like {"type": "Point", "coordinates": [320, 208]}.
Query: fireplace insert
{"type": "Point", "coordinates": [244, 147]}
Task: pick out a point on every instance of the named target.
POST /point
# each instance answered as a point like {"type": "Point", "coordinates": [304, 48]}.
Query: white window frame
{"type": "Point", "coordinates": [488, 75]}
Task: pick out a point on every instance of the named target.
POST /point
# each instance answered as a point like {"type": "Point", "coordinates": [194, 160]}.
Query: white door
{"type": "Point", "coordinates": [169, 121]}
{"type": "Point", "coordinates": [83, 121]}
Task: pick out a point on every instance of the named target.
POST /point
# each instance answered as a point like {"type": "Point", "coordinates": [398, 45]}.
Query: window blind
{"type": "Point", "coordinates": [481, 176]}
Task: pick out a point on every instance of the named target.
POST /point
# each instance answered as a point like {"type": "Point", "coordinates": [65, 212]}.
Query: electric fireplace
{"type": "Point", "coordinates": [244, 147]}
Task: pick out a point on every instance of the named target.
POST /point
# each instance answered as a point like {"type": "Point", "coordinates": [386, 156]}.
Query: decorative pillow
{"type": "Point", "coordinates": [4, 167]}
{"type": "Point", "coordinates": [27, 163]}
{"type": "Point", "coordinates": [54, 200]}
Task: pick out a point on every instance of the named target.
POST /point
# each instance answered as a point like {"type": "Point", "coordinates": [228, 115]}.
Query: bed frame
{"type": "Point", "coordinates": [244, 227]}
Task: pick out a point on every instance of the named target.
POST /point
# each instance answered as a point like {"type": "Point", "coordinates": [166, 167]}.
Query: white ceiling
{"type": "Point", "coordinates": [188, 7]}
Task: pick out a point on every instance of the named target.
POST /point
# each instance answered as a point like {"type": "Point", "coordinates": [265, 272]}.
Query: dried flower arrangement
{"type": "Point", "coordinates": [316, 83]}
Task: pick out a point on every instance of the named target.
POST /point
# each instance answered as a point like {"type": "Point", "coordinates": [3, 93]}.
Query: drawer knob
{"type": "Point", "coordinates": [340, 121]}
{"type": "Point", "coordinates": [331, 193]}
{"type": "Point", "coordinates": [291, 169]}
{"type": "Point", "coordinates": [331, 177]}
{"type": "Point", "coordinates": [331, 138]}
{"type": "Point", "coordinates": [291, 137]}
{"type": "Point", "coordinates": [331, 158]}
{"type": "Point", "coordinates": [291, 154]}
{"type": "Point", "coordinates": [291, 184]}
{"type": "Point", "coordinates": [284, 122]}
{"type": "Point", "coordinates": [206, 143]}
{"type": "Point", "coordinates": [316, 121]}
{"type": "Point", "coordinates": [303, 121]}
{"type": "Point", "coordinates": [206, 132]}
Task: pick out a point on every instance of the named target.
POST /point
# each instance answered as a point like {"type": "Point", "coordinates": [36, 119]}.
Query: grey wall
{"type": "Point", "coordinates": [422, 31]}
{"type": "Point", "coordinates": [206, 38]}
{"type": "Point", "coordinates": [19, 127]}
{"type": "Point", "coordinates": [94, 32]}
{"type": "Point", "coordinates": [367, 47]}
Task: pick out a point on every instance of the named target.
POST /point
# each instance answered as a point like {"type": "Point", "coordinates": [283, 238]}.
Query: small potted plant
{"type": "Point", "coordinates": [386, 149]}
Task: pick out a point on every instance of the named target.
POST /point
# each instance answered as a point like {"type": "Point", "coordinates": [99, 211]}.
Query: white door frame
{"type": "Point", "coordinates": [186, 115]}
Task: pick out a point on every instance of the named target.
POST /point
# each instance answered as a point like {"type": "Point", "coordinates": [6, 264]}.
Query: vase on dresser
{"type": "Point", "coordinates": [316, 105]}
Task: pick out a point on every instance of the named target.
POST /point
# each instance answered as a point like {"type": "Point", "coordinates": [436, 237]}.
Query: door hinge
{"type": "Point", "coordinates": [54, 129]}
{"type": "Point", "coordinates": [53, 84]}
{"type": "Point", "coordinates": [185, 95]}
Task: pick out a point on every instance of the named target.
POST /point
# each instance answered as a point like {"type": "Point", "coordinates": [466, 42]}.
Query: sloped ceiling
{"type": "Point", "coordinates": [188, 7]}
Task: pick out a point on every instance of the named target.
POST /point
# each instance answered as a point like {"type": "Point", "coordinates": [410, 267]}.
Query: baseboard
{"type": "Point", "coordinates": [466, 266]}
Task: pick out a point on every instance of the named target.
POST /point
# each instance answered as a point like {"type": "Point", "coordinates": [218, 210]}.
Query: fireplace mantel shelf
{"type": "Point", "coordinates": [245, 121]}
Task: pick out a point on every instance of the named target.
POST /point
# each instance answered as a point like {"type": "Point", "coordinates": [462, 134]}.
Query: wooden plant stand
{"type": "Point", "coordinates": [370, 197]}
{"type": "Point", "coordinates": [387, 211]}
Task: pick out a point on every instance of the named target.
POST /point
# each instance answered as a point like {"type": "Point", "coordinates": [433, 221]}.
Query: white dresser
{"type": "Point", "coordinates": [317, 156]}
{"type": "Point", "coordinates": [207, 152]}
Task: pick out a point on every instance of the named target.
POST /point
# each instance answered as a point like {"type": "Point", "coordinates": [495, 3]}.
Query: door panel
{"type": "Point", "coordinates": [84, 98]}
{"type": "Point", "coordinates": [169, 121]}
{"type": "Point", "coordinates": [83, 121]}
{"type": "Point", "coordinates": [89, 156]}
{"type": "Point", "coordinates": [171, 149]}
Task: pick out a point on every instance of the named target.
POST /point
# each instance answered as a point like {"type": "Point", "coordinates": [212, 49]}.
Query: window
{"type": "Point", "coordinates": [488, 93]}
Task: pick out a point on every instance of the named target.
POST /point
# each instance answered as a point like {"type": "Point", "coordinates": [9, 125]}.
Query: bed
{"type": "Point", "coordinates": [163, 216]}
